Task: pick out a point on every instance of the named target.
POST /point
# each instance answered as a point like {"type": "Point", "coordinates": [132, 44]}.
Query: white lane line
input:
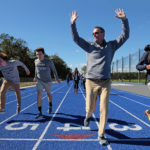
{"type": "Point", "coordinates": [122, 91]}
{"type": "Point", "coordinates": [21, 98]}
{"type": "Point", "coordinates": [130, 114]}
{"type": "Point", "coordinates": [132, 100]}
{"type": "Point", "coordinates": [108, 146]}
{"type": "Point", "coordinates": [27, 107]}
{"type": "Point", "coordinates": [16, 114]}
{"type": "Point", "coordinates": [49, 123]}
{"type": "Point", "coordinates": [11, 139]}
{"type": "Point", "coordinates": [22, 92]}
{"type": "Point", "coordinates": [84, 140]}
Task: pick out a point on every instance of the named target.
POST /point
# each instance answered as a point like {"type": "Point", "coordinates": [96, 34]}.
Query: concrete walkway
{"type": "Point", "coordinates": [140, 89]}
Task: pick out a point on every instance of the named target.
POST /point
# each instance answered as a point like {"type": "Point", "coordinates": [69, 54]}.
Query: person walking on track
{"type": "Point", "coordinates": [43, 68]}
{"type": "Point", "coordinates": [11, 78]}
{"type": "Point", "coordinates": [76, 78]}
{"type": "Point", "coordinates": [144, 64]}
{"type": "Point", "coordinates": [99, 57]}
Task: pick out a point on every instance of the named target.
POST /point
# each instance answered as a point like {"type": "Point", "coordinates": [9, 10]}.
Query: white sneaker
{"type": "Point", "coordinates": [103, 140]}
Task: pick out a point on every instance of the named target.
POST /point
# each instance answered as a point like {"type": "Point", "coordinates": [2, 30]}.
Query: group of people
{"type": "Point", "coordinates": [76, 76]}
{"type": "Point", "coordinates": [43, 68]}
{"type": "Point", "coordinates": [98, 80]}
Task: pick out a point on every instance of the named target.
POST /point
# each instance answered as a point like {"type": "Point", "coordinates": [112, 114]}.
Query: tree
{"type": "Point", "coordinates": [17, 49]}
{"type": "Point", "coordinates": [83, 69]}
{"type": "Point", "coordinates": [61, 67]}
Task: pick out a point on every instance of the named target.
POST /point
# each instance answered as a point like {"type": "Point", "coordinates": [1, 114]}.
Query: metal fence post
{"type": "Point", "coordinates": [139, 71]}
{"type": "Point", "coordinates": [129, 67]}
{"type": "Point", "coordinates": [122, 68]}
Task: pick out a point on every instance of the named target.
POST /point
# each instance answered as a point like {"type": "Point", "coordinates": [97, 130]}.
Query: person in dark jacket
{"type": "Point", "coordinates": [144, 64]}
{"type": "Point", "coordinates": [76, 78]}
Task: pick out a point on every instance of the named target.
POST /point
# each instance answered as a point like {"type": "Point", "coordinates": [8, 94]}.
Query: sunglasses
{"type": "Point", "coordinates": [95, 33]}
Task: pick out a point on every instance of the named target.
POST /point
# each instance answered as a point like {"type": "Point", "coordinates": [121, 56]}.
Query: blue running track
{"type": "Point", "coordinates": [128, 128]}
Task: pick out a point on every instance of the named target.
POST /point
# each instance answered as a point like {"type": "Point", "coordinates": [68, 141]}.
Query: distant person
{"type": "Point", "coordinates": [43, 68]}
{"type": "Point", "coordinates": [68, 78]}
{"type": "Point", "coordinates": [76, 78]}
{"type": "Point", "coordinates": [144, 64]}
{"type": "Point", "coordinates": [1, 81]}
{"type": "Point", "coordinates": [83, 79]}
{"type": "Point", "coordinates": [99, 57]}
{"type": "Point", "coordinates": [11, 78]}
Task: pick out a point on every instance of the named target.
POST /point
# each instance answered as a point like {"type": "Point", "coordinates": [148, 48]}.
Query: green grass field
{"type": "Point", "coordinates": [132, 81]}
{"type": "Point", "coordinates": [24, 84]}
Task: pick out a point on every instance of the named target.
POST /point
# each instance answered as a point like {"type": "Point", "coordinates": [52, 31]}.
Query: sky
{"type": "Point", "coordinates": [46, 23]}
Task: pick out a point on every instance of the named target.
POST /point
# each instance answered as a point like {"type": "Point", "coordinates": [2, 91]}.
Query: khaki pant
{"type": "Point", "coordinates": [101, 88]}
{"type": "Point", "coordinates": [6, 84]}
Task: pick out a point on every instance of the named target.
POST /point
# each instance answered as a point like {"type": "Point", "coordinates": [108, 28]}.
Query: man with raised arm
{"type": "Point", "coordinates": [99, 57]}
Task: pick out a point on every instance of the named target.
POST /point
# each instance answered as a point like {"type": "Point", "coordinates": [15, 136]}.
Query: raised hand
{"type": "Point", "coordinates": [120, 14]}
{"type": "Point", "coordinates": [73, 17]}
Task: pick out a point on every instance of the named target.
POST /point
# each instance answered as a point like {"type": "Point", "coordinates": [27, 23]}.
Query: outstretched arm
{"type": "Point", "coordinates": [19, 63]}
{"type": "Point", "coordinates": [125, 30]}
{"type": "Point", "coordinates": [80, 41]}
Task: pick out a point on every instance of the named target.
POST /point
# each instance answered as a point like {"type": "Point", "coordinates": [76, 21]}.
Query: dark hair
{"type": "Point", "coordinates": [75, 71]}
{"type": "Point", "coordinates": [40, 49]}
{"type": "Point", "coordinates": [147, 48]}
{"type": "Point", "coordinates": [3, 56]}
{"type": "Point", "coordinates": [100, 28]}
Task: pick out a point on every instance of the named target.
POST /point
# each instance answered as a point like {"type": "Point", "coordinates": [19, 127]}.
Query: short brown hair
{"type": "Point", "coordinates": [100, 28]}
{"type": "Point", "coordinates": [40, 49]}
{"type": "Point", "coordinates": [3, 56]}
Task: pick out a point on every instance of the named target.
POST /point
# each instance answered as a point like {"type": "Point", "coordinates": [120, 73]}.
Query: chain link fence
{"type": "Point", "coordinates": [124, 69]}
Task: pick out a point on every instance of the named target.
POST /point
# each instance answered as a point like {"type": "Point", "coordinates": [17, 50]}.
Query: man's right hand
{"type": "Point", "coordinates": [73, 17]}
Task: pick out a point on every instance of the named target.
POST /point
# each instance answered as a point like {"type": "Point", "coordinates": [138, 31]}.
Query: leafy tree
{"type": "Point", "coordinates": [61, 67]}
{"type": "Point", "coordinates": [83, 69]}
{"type": "Point", "coordinates": [17, 49]}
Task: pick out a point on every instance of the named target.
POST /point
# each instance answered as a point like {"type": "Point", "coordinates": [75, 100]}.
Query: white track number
{"type": "Point", "coordinates": [134, 127]}
{"type": "Point", "coordinates": [14, 126]}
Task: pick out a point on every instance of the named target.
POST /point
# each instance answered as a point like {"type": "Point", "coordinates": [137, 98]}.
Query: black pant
{"type": "Point", "coordinates": [76, 82]}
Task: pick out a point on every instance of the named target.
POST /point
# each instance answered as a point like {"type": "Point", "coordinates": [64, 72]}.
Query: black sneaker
{"type": "Point", "coordinates": [86, 122]}
{"type": "Point", "coordinates": [49, 109]}
{"type": "Point", "coordinates": [18, 110]}
{"type": "Point", "coordinates": [39, 115]}
{"type": "Point", "coordinates": [103, 140]}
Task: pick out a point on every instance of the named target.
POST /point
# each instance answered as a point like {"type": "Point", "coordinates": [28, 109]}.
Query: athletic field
{"type": "Point", "coordinates": [127, 129]}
